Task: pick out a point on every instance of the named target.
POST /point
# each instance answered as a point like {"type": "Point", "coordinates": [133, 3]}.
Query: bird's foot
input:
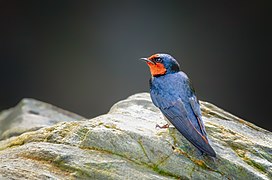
{"type": "Point", "coordinates": [162, 127]}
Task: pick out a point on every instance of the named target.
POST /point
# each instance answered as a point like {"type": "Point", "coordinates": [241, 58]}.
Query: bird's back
{"type": "Point", "coordinates": [170, 88]}
{"type": "Point", "coordinates": [175, 97]}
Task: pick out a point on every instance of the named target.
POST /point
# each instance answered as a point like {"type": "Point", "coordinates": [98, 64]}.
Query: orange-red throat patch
{"type": "Point", "coordinates": [156, 69]}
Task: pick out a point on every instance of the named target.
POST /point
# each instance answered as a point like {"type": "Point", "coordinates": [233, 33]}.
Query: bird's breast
{"type": "Point", "coordinates": [171, 84]}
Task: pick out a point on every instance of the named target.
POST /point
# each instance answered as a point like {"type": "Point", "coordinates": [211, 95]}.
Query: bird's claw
{"type": "Point", "coordinates": [162, 127]}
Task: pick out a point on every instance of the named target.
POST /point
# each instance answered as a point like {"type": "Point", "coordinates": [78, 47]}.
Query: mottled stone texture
{"type": "Point", "coordinates": [30, 115]}
{"type": "Point", "coordinates": [124, 144]}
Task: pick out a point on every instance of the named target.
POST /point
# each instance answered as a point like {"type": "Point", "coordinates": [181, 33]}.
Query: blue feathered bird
{"type": "Point", "coordinates": [172, 92]}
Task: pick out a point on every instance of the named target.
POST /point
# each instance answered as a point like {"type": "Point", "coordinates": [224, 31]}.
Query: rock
{"type": "Point", "coordinates": [124, 144]}
{"type": "Point", "coordinates": [30, 115]}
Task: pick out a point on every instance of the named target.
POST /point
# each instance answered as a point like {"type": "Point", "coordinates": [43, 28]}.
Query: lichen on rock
{"type": "Point", "coordinates": [124, 144]}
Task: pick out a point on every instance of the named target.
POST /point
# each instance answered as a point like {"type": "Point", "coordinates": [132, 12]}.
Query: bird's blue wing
{"type": "Point", "coordinates": [175, 96]}
{"type": "Point", "coordinates": [177, 114]}
{"type": "Point", "coordinates": [196, 109]}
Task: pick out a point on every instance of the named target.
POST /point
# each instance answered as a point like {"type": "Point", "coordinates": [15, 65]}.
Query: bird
{"type": "Point", "coordinates": [172, 92]}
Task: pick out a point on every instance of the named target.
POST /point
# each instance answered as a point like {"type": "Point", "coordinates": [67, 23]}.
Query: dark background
{"type": "Point", "coordinates": [83, 57]}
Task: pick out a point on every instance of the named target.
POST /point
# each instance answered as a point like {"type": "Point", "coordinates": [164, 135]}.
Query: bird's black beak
{"type": "Point", "coordinates": [147, 60]}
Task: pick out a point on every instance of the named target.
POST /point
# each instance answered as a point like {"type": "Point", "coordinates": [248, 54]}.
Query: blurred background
{"type": "Point", "coordinates": [83, 55]}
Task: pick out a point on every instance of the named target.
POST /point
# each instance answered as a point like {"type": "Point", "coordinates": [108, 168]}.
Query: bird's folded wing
{"type": "Point", "coordinates": [177, 115]}
{"type": "Point", "coordinates": [196, 109]}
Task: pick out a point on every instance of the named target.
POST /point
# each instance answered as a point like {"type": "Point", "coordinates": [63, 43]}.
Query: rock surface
{"type": "Point", "coordinates": [30, 115]}
{"type": "Point", "coordinates": [124, 144]}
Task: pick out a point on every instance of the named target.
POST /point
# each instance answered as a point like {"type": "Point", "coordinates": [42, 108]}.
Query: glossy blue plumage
{"type": "Point", "coordinates": [173, 94]}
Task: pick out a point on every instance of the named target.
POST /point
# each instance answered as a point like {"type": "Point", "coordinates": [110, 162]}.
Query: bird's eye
{"type": "Point", "coordinates": [158, 60]}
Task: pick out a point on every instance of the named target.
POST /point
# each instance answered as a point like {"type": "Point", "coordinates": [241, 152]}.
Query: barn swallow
{"type": "Point", "coordinates": [172, 92]}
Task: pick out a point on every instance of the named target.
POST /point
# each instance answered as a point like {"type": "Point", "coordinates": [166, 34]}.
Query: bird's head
{"type": "Point", "coordinates": [161, 64]}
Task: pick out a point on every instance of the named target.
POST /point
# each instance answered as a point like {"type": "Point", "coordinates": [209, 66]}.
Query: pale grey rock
{"type": "Point", "coordinates": [58, 161]}
{"type": "Point", "coordinates": [124, 144]}
{"type": "Point", "coordinates": [30, 115]}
